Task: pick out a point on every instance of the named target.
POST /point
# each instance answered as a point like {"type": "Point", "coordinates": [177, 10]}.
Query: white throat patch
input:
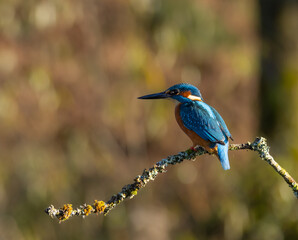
{"type": "Point", "coordinates": [194, 98]}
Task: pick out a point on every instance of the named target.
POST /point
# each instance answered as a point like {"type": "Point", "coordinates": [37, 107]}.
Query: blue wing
{"type": "Point", "coordinates": [201, 118]}
{"type": "Point", "coordinates": [222, 123]}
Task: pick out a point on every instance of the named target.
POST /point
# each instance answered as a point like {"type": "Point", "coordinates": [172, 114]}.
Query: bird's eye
{"type": "Point", "coordinates": [174, 92]}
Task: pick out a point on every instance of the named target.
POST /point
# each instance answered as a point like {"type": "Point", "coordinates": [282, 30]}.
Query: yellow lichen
{"type": "Point", "coordinates": [66, 212]}
{"type": "Point", "coordinates": [87, 210]}
{"type": "Point", "coordinates": [135, 192]}
{"type": "Point", "coordinates": [99, 206]}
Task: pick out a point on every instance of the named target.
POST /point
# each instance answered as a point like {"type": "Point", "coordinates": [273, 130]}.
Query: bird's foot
{"type": "Point", "coordinates": [193, 149]}
{"type": "Point", "coordinates": [196, 149]}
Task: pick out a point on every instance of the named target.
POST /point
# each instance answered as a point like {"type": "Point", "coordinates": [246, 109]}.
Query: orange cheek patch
{"type": "Point", "coordinates": [185, 94]}
{"type": "Point", "coordinates": [188, 95]}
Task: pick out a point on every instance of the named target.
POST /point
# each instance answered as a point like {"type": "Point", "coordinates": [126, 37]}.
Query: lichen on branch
{"type": "Point", "coordinates": [129, 191]}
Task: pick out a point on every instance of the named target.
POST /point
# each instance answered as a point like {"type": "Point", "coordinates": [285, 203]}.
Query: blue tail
{"type": "Point", "coordinates": [223, 155]}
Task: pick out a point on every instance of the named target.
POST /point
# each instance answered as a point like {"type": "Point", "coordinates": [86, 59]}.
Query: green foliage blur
{"type": "Point", "coordinates": [72, 129]}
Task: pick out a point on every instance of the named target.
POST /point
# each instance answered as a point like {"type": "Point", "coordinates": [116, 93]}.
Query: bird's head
{"type": "Point", "coordinates": [182, 92]}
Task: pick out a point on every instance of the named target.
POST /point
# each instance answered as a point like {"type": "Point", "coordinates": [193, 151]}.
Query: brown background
{"type": "Point", "coordinates": [72, 129]}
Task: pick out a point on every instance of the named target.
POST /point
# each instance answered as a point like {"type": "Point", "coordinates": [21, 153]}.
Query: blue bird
{"type": "Point", "coordinates": [201, 122]}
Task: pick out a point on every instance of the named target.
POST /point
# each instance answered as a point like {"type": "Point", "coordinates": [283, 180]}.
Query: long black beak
{"type": "Point", "coordinates": [155, 96]}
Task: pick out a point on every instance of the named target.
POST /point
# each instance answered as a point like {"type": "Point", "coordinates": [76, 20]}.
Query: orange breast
{"type": "Point", "coordinates": [196, 139]}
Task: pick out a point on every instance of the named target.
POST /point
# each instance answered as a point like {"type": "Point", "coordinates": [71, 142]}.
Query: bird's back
{"type": "Point", "coordinates": [205, 127]}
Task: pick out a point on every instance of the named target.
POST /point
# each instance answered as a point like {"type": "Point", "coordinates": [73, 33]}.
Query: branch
{"type": "Point", "coordinates": [131, 190]}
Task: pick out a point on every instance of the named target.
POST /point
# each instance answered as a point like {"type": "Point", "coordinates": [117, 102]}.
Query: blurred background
{"type": "Point", "coordinates": [72, 129]}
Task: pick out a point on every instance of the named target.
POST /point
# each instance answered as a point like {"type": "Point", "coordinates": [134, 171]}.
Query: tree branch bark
{"type": "Point", "coordinates": [129, 191]}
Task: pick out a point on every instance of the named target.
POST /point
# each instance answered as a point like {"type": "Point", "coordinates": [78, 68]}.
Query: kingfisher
{"type": "Point", "coordinates": [201, 122]}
